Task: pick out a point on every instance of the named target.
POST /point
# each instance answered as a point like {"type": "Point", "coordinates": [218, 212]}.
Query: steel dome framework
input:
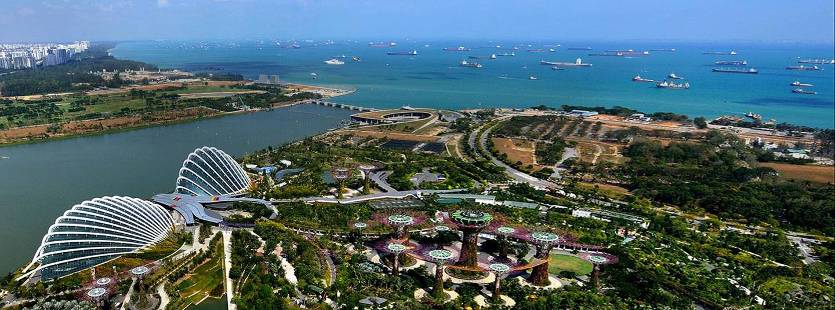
{"type": "Point", "coordinates": [98, 230]}
{"type": "Point", "coordinates": [209, 171]}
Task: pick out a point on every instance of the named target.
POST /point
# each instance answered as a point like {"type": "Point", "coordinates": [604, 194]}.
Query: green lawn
{"type": "Point", "coordinates": [204, 278]}
{"type": "Point", "coordinates": [561, 262]}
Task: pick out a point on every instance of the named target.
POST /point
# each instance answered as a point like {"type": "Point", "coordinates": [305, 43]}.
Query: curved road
{"type": "Point", "coordinates": [514, 174]}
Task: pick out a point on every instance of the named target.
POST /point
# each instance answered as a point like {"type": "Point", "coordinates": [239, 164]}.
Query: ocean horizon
{"type": "Point", "coordinates": [434, 78]}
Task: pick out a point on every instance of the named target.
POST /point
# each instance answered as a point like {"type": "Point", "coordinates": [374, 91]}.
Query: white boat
{"type": "Point", "coordinates": [797, 83]}
{"type": "Point", "coordinates": [334, 61]}
{"type": "Point", "coordinates": [532, 78]}
{"type": "Point", "coordinates": [493, 56]}
{"type": "Point", "coordinates": [464, 63]}
{"type": "Point", "coordinates": [674, 76]}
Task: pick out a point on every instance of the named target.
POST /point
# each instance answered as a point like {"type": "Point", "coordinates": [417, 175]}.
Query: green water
{"type": "Point", "coordinates": [40, 181]}
{"type": "Point", "coordinates": [211, 304]}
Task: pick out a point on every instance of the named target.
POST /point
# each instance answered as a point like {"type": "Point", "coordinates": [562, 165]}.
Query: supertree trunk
{"type": "Point", "coordinates": [595, 275]}
{"type": "Point", "coordinates": [503, 245]}
{"type": "Point", "coordinates": [396, 264]}
{"type": "Point", "coordinates": [469, 248]}
{"type": "Point", "coordinates": [438, 291]}
{"type": "Point", "coordinates": [539, 274]}
{"type": "Point", "coordinates": [497, 292]}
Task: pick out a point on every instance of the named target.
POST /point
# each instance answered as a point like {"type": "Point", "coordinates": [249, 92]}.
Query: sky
{"type": "Point", "coordinates": [589, 20]}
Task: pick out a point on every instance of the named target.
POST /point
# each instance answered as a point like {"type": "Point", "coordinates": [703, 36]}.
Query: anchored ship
{"type": "Point", "coordinates": [803, 91]}
{"type": "Point", "coordinates": [577, 63]}
{"type": "Point", "coordinates": [674, 76]}
{"type": "Point", "coordinates": [672, 85]}
{"type": "Point", "coordinates": [731, 63]}
{"type": "Point", "coordinates": [334, 61]}
{"type": "Point", "coordinates": [411, 53]}
{"type": "Point", "coordinates": [467, 64]}
{"type": "Point", "coordinates": [638, 78]}
{"type": "Point", "coordinates": [817, 61]}
{"type": "Point", "coordinates": [736, 70]}
{"type": "Point", "coordinates": [797, 83]}
{"type": "Point", "coordinates": [720, 53]}
{"type": "Point", "coordinates": [456, 49]}
{"type": "Point", "coordinates": [579, 48]}
{"type": "Point", "coordinates": [804, 68]}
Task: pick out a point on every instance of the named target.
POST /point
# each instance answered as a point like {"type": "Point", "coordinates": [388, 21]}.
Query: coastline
{"type": "Point", "coordinates": [326, 92]}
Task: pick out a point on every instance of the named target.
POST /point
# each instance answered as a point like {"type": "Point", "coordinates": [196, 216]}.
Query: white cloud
{"type": "Point", "coordinates": [162, 3]}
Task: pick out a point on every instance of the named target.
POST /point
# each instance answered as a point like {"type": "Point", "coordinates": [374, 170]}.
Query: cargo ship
{"type": "Point", "coordinates": [456, 49]}
{"type": "Point", "coordinates": [720, 53]}
{"type": "Point", "coordinates": [638, 78]}
{"type": "Point", "coordinates": [672, 85]}
{"type": "Point", "coordinates": [579, 48]}
{"type": "Point", "coordinates": [662, 50]}
{"type": "Point", "coordinates": [797, 83]}
{"type": "Point", "coordinates": [620, 51]}
{"type": "Point", "coordinates": [411, 53]}
{"type": "Point", "coordinates": [536, 51]}
{"type": "Point", "coordinates": [816, 61]}
{"type": "Point", "coordinates": [736, 70]}
{"type": "Point", "coordinates": [731, 63]}
{"type": "Point", "coordinates": [507, 54]}
{"type": "Point", "coordinates": [577, 63]}
{"type": "Point", "coordinates": [467, 64]}
{"type": "Point", "coordinates": [803, 91]}
{"type": "Point", "coordinates": [334, 61]}
{"type": "Point", "coordinates": [607, 54]}
{"type": "Point", "coordinates": [804, 68]}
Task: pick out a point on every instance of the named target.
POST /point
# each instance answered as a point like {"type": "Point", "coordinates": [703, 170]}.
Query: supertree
{"type": "Point", "coordinates": [98, 295]}
{"type": "Point", "coordinates": [500, 270]}
{"type": "Point", "coordinates": [470, 223]}
{"type": "Point", "coordinates": [396, 249]}
{"type": "Point", "coordinates": [440, 257]}
{"type": "Point", "coordinates": [400, 221]}
{"type": "Point", "coordinates": [502, 233]}
{"type": "Point", "coordinates": [359, 227]}
{"type": "Point", "coordinates": [340, 174]}
{"type": "Point", "coordinates": [544, 241]}
{"type": "Point", "coordinates": [598, 260]}
{"type": "Point", "coordinates": [366, 171]}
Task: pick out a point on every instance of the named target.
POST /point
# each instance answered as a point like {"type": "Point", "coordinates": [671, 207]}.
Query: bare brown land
{"type": "Point", "coordinates": [517, 150]}
{"type": "Point", "coordinates": [96, 125]}
{"type": "Point", "coordinates": [819, 174]}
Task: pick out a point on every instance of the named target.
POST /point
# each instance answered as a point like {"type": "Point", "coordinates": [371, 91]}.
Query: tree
{"type": "Point", "coordinates": [700, 122]}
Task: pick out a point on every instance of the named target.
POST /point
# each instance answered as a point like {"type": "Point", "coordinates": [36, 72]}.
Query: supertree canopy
{"type": "Point", "coordinates": [544, 241]}
{"type": "Point", "coordinates": [470, 222]}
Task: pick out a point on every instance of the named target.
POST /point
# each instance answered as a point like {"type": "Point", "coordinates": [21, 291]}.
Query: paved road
{"type": "Point", "coordinates": [381, 179]}
{"type": "Point", "coordinates": [163, 296]}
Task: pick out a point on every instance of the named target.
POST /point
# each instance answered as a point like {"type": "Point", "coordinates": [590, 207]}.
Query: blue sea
{"type": "Point", "coordinates": [434, 78]}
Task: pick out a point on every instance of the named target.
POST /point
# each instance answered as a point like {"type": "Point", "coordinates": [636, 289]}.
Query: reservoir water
{"type": "Point", "coordinates": [40, 181]}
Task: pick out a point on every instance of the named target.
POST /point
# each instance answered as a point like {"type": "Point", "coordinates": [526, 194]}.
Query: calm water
{"type": "Point", "coordinates": [211, 304]}
{"type": "Point", "coordinates": [434, 79]}
{"type": "Point", "coordinates": [40, 181]}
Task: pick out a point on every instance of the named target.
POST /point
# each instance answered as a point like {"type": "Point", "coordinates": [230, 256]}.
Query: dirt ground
{"type": "Point", "coordinates": [517, 150]}
{"type": "Point", "coordinates": [820, 174]}
{"type": "Point", "coordinates": [87, 126]}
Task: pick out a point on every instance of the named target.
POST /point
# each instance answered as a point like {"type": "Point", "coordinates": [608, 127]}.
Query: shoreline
{"type": "Point", "coordinates": [326, 92]}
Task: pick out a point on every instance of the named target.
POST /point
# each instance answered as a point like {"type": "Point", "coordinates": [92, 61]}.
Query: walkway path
{"type": "Point", "coordinates": [163, 296]}
{"type": "Point", "coordinates": [227, 265]}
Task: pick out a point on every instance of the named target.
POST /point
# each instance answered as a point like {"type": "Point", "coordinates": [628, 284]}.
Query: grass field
{"type": "Point", "coordinates": [204, 279]}
{"type": "Point", "coordinates": [820, 174]}
{"type": "Point", "coordinates": [562, 262]}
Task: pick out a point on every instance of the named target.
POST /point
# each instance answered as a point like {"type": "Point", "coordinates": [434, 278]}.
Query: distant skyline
{"type": "Point", "coordinates": [776, 21]}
